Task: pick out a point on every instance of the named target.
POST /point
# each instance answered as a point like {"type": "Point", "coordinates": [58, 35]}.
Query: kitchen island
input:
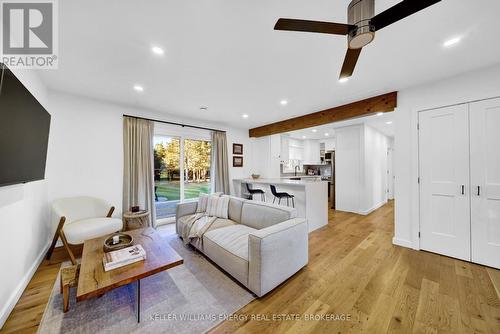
{"type": "Point", "coordinates": [311, 196]}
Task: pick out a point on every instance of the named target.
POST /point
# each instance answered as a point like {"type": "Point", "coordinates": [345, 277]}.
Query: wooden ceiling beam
{"type": "Point", "coordinates": [382, 103]}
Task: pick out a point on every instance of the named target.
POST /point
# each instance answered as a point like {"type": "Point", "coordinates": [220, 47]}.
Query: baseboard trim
{"type": "Point", "coordinates": [18, 291]}
{"type": "Point", "coordinates": [377, 206]}
{"type": "Point", "coordinates": [402, 242]}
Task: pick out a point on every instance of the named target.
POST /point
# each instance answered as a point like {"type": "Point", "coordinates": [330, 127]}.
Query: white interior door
{"type": "Point", "coordinates": [444, 181]}
{"type": "Point", "coordinates": [390, 174]}
{"type": "Point", "coordinates": [485, 182]}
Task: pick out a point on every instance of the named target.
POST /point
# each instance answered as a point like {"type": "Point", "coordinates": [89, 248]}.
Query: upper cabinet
{"type": "Point", "coordinates": [329, 144]}
{"type": "Point", "coordinates": [312, 154]}
{"type": "Point", "coordinates": [306, 151]}
{"type": "Point", "coordinates": [285, 151]}
{"type": "Point", "coordinates": [295, 149]}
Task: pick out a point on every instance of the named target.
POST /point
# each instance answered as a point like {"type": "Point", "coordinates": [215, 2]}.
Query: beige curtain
{"type": "Point", "coordinates": [220, 169]}
{"type": "Point", "coordinates": [138, 179]}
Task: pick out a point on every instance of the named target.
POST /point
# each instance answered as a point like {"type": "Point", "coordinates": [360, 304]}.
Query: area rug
{"type": "Point", "coordinates": [191, 298]}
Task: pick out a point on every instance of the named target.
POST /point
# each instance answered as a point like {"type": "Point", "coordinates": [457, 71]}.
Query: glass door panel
{"type": "Point", "coordinates": [167, 175]}
{"type": "Point", "coordinates": [197, 154]}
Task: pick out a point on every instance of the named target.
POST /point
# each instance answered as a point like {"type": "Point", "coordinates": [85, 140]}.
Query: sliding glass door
{"type": "Point", "coordinates": [196, 168]}
{"type": "Point", "coordinates": [167, 175]}
{"type": "Point", "coordinates": [181, 171]}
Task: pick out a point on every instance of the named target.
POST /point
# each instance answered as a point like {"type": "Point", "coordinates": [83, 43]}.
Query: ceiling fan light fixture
{"type": "Point", "coordinates": [359, 14]}
{"type": "Point", "coordinates": [361, 27]}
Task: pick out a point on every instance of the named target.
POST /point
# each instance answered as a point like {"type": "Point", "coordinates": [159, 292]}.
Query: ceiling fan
{"type": "Point", "coordinates": [361, 28]}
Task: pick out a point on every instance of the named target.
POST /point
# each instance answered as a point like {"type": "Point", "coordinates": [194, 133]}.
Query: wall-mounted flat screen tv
{"type": "Point", "coordinates": [24, 132]}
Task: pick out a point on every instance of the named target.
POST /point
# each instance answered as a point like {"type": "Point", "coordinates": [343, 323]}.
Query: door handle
{"type": "Point", "coordinates": [479, 190]}
{"type": "Point", "coordinates": [463, 189]}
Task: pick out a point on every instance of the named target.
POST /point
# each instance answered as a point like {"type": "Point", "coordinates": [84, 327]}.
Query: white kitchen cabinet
{"type": "Point", "coordinates": [285, 151]}
{"type": "Point", "coordinates": [275, 142]}
{"type": "Point", "coordinates": [329, 144]}
{"type": "Point", "coordinates": [311, 152]}
{"type": "Point", "coordinates": [296, 149]}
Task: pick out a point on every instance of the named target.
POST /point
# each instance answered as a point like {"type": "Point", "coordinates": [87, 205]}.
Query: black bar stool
{"type": "Point", "coordinates": [256, 191]}
{"type": "Point", "coordinates": [282, 195]}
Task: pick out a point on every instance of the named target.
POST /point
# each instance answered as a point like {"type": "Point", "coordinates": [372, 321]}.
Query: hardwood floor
{"type": "Point", "coordinates": [354, 270]}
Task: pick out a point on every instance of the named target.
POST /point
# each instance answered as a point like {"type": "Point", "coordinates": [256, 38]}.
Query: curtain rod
{"type": "Point", "coordinates": [173, 123]}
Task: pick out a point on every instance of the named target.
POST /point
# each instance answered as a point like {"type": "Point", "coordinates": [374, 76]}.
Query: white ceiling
{"type": "Point", "coordinates": [224, 54]}
{"type": "Point", "coordinates": [384, 123]}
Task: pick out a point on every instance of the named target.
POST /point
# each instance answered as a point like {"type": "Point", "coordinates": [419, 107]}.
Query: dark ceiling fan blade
{"type": "Point", "coordinates": [398, 12]}
{"type": "Point", "coordinates": [313, 26]}
{"type": "Point", "coordinates": [351, 58]}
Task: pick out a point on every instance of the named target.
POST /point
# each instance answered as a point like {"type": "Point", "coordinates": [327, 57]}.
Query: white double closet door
{"type": "Point", "coordinates": [459, 157]}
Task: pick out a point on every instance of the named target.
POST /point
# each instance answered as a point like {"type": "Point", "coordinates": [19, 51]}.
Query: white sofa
{"type": "Point", "coordinates": [263, 246]}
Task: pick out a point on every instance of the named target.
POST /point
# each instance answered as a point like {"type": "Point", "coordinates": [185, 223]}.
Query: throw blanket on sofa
{"type": "Point", "coordinates": [196, 226]}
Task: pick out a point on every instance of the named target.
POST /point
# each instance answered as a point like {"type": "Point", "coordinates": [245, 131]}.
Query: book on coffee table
{"type": "Point", "coordinates": [123, 257]}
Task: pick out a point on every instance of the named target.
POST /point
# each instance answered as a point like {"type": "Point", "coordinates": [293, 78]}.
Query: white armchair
{"type": "Point", "coordinates": [81, 218]}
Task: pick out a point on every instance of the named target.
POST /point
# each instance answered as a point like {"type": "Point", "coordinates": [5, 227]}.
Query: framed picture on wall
{"type": "Point", "coordinates": [238, 149]}
{"type": "Point", "coordinates": [237, 161]}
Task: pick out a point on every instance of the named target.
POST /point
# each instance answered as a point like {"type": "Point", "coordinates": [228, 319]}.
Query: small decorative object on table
{"type": "Point", "coordinates": [255, 176]}
{"type": "Point", "coordinates": [134, 209]}
{"type": "Point", "coordinates": [117, 241]}
{"type": "Point", "coordinates": [135, 220]}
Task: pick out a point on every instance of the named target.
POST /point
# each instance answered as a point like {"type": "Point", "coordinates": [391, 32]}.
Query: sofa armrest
{"type": "Point", "coordinates": [182, 210]}
{"type": "Point", "coordinates": [275, 253]}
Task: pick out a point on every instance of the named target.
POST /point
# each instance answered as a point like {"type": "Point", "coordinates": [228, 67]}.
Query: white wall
{"type": "Point", "coordinates": [480, 84]}
{"type": "Point", "coordinates": [360, 169]}
{"type": "Point", "coordinates": [390, 168]}
{"type": "Point", "coordinates": [86, 149]}
{"type": "Point", "coordinates": [375, 169]}
{"type": "Point", "coordinates": [348, 168]}
{"type": "Point", "coordinates": [24, 223]}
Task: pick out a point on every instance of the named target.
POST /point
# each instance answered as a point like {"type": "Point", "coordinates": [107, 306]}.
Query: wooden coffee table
{"type": "Point", "coordinates": [94, 281]}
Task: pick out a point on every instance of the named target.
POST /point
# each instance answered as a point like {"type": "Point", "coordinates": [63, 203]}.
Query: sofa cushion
{"type": "Point", "coordinates": [218, 206]}
{"type": "Point", "coordinates": [78, 231]}
{"type": "Point", "coordinates": [228, 247]}
{"type": "Point", "coordinates": [235, 207]}
{"type": "Point", "coordinates": [261, 215]}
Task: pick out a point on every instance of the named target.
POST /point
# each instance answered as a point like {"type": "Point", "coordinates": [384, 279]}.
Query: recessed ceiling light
{"type": "Point", "coordinates": [379, 113]}
{"type": "Point", "coordinates": [157, 50]}
{"type": "Point", "coordinates": [314, 130]}
{"type": "Point", "coordinates": [343, 80]}
{"type": "Point", "coordinates": [244, 116]}
{"type": "Point", "coordinates": [138, 88]}
{"type": "Point", "coordinates": [304, 137]}
{"type": "Point", "coordinates": [327, 134]}
{"type": "Point", "coordinates": [452, 41]}
{"type": "Point", "coordinates": [283, 102]}
{"type": "Point", "coordinates": [389, 122]}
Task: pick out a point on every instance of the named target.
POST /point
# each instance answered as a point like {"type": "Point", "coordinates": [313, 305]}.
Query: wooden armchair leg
{"type": "Point", "coordinates": [68, 249]}
{"type": "Point", "coordinates": [110, 212]}
{"type": "Point", "coordinates": [56, 236]}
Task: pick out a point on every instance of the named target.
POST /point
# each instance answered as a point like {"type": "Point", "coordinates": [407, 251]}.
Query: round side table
{"type": "Point", "coordinates": [134, 221]}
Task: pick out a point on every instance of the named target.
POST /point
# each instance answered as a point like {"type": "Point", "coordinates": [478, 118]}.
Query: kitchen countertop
{"type": "Point", "coordinates": [286, 181]}
{"type": "Point", "coordinates": [301, 176]}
